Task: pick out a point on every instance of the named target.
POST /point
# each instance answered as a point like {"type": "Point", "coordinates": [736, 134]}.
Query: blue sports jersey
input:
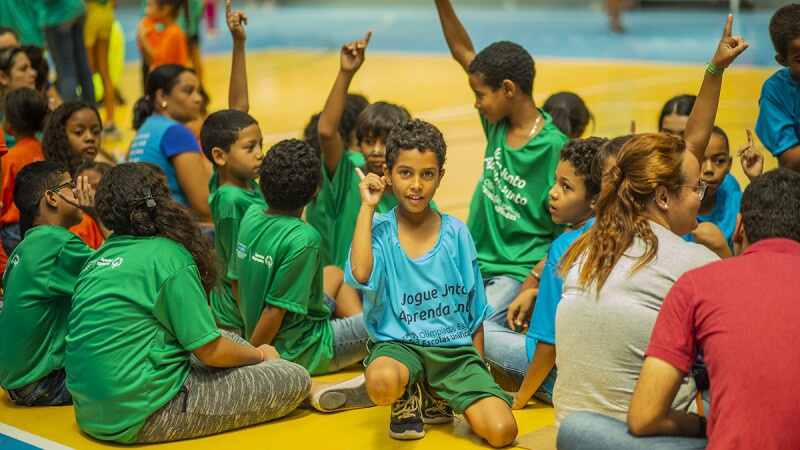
{"type": "Point", "coordinates": [435, 300]}
{"type": "Point", "coordinates": [724, 213]}
{"type": "Point", "coordinates": [158, 140]}
{"type": "Point", "coordinates": [778, 123]}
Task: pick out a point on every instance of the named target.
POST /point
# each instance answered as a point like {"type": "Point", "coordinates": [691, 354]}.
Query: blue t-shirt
{"type": "Point", "coordinates": [158, 140]}
{"type": "Point", "coordinates": [778, 123]}
{"type": "Point", "coordinates": [436, 300]}
{"type": "Point", "coordinates": [724, 213]}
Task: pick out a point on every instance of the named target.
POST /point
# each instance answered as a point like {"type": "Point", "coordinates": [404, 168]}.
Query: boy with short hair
{"type": "Point", "coordinates": [507, 213]}
{"type": "Point", "coordinates": [39, 282]}
{"type": "Point", "coordinates": [231, 140]}
{"type": "Point", "coordinates": [424, 300]}
{"type": "Point", "coordinates": [778, 124]}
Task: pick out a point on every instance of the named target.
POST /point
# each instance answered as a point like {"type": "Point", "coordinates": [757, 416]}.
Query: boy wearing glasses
{"type": "Point", "coordinates": [39, 282]}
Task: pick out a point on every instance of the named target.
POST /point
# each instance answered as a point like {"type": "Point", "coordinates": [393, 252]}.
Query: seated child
{"type": "Point", "coordinates": [280, 272]}
{"type": "Point", "coordinates": [424, 300]}
{"type": "Point", "coordinates": [333, 212]}
{"type": "Point", "coordinates": [24, 115]}
{"type": "Point", "coordinates": [161, 40]}
{"type": "Point", "coordinates": [530, 359]}
{"type": "Point", "coordinates": [778, 124]}
{"type": "Point", "coordinates": [90, 230]}
{"type": "Point", "coordinates": [39, 284]}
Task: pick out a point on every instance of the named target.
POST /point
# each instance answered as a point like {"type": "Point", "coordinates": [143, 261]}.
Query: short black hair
{"type": "Point", "coordinates": [680, 105]}
{"type": "Point", "coordinates": [505, 60]}
{"type": "Point", "coordinates": [581, 153]}
{"type": "Point", "coordinates": [290, 175]}
{"type": "Point", "coordinates": [721, 133]}
{"type": "Point", "coordinates": [418, 135]}
{"type": "Point", "coordinates": [354, 105]}
{"type": "Point", "coordinates": [39, 63]}
{"type": "Point", "coordinates": [569, 113]}
{"type": "Point", "coordinates": [771, 206]}
{"type": "Point", "coordinates": [784, 26]}
{"type": "Point", "coordinates": [221, 129]}
{"type": "Point", "coordinates": [25, 110]}
{"type": "Point", "coordinates": [91, 164]}
{"type": "Point", "coordinates": [610, 148]}
{"type": "Point", "coordinates": [378, 119]}
{"type": "Point", "coordinates": [31, 183]}
{"type": "Point", "coordinates": [311, 134]}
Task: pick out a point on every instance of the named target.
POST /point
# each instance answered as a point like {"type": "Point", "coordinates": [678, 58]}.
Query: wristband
{"type": "Point", "coordinates": [713, 70]}
{"type": "Point", "coordinates": [260, 353]}
{"type": "Point", "coordinates": [536, 275]}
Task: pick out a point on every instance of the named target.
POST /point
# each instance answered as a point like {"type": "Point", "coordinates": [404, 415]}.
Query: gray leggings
{"type": "Point", "coordinates": [214, 400]}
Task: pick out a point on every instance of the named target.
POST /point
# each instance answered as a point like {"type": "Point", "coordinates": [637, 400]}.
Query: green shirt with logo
{"type": "Point", "coordinates": [138, 311]}
{"type": "Point", "coordinates": [509, 214]}
{"type": "Point", "coordinates": [228, 205]}
{"type": "Point", "coordinates": [39, 283]}
{"type": "Point", "coordinates": [279, 263]}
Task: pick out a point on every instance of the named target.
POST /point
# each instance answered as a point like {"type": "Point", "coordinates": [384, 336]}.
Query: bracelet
{"type": "Point", "coordinates": [702, 432]}
{"type": "Point", "coordinates": [260, 353]}
{"type": "Point", "coordinates": [535, 275]}
{"type": "Point", "coordinates": [713, 70]}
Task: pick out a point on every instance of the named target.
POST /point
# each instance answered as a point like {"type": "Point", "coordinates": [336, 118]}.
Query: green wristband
{"type": "Point", "coordinates": [713, 70]}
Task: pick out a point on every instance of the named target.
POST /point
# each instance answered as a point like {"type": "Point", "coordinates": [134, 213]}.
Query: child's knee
{"type": "Point", "coordinates": [385, 382]}
{"type": "Point", "coordinates": [501, 432]}
{"type": "Point", "coordinates": [491, 418]}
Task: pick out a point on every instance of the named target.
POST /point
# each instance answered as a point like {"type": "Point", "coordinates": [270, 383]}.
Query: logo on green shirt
{"type": "Point", "coordinates": [114, 263]}
{"type": "Point", "coordinates": [14, 261]}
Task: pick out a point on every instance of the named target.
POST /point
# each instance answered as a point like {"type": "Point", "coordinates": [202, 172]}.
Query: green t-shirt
{"type": "Point", "coordinates": [21, 16]}
{"type": "Point", "coordinates": [228, 205]}
{"type": "Point", "coordinates": [39, 282]}
{"type": "Point", "coordinates": [334, 211]}
{"type": "Point", "coordinates": [56, 12]}
{"type": "Point", "coordinates": [509, 214]}
{"type": "Point", "coordinates": [279, 263]}
{"type": "Point", "coordinates": [138, 311]}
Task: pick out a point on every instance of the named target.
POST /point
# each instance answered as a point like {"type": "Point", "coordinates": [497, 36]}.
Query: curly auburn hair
{"type": "Point", "coordinates": [290, 175]}
{"type": "Point", "coordinates": [505, 60]}
{"type": "Point", "coordinates": [646, 162]}
{"type": "Point", "coordinates": [55, 143]}
{"type": "Point", "coordinates": [121, 205]}
{"type": "Point", "coordinates": [581, 153]}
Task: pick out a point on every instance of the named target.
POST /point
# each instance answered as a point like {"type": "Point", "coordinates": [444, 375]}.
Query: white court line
{"type": "Point", "coordinates": [31, 439]}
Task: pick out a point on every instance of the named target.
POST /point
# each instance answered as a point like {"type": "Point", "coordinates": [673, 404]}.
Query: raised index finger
{"type": "Point", "coordinates": [227, 8]}
{"type": "Point", "coordinates": [360, 173]}
{"type": "Point", "coordinates": [367, 37]}
{"type": "Point", "coordinates": [750, 138]}
{"type": "Point", "coordinates": [728, 27]}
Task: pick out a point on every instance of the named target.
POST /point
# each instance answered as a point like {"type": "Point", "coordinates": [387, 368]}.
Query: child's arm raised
{"type": "Point", "coordinates": [704, 112]}
{"type": "Point", "coordinates": [352, 56]}
{"type": "Point", "coordinates": [455, 34]}
{"type": "Point", "coordinates": [752, 160]}
{"type": "Point", "coordinates": [361, 258]}
{"type": "Point", "coordinates": [268, 325]}
{"type": "Point", "coordinates": [237, 91]}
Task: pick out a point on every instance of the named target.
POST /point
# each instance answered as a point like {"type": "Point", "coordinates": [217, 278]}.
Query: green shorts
{"type": "Point", "coordinates": [457, 374]}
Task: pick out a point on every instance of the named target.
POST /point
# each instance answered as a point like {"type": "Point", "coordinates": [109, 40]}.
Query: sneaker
{"type": "Point", "coordinates": [111, 132]}
{"type": "Point", "coordinates": [406, 422]}
{"type": "Point", "coordinates": [435, 410]}
{"type": "Point", "coordinates": [350, 394]}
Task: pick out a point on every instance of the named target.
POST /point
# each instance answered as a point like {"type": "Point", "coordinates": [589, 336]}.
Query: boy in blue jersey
{"type": "Point", "coordinates": [424, 303]}
{"type": "Point", "coordinates": [778, 124]}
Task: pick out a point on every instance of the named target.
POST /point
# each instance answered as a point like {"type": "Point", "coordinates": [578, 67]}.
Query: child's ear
{"type": "Point", "coordinates": [4, 78]}
{"type": "Point", "coordinates": [387, 174]}
{"type": "Point", "coordinates": [218, 155]}
{"type": "Point", "coordinates": [441, 174]}
{"type": "Point", "coordinates": [781, 60]}
{"type": "Point", "coordinates": [509, 88]}
{"type": "Point", "coordinates": [738, 230]}
{"type": "Point", "coordinates": [51, 199]}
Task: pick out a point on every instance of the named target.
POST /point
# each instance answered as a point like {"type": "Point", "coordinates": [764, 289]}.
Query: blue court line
{"type": "Point", "coordinates": [9, 443]}
{"type": "Point", "coordinates": [667, 35]}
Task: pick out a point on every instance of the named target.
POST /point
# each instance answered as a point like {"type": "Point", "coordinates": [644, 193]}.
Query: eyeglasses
{"type": "Point", "coordinates": [71, 184]}
{"type": "Point", "coordinates": [700, 189]}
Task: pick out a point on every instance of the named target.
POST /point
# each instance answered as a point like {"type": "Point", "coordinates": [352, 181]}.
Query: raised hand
{"type": "Point", "coordinates": [729, 47]}
{"type": "Point", "coordinates": [752, 160]}
{"type": "Point", "coordinates": [236, 21]}
{"type": "Point", "coordinates": [371, 188]}
{"type": "Point", "coordinates": [82, 195]}
{"type": "Point", "coordinates": [352, 54]}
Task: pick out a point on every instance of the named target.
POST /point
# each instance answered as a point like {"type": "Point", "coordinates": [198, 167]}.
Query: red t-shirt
{"type": "Point", "coordinates": [744, 313]}
{"type": "Point", "coordinates": [25, 152]}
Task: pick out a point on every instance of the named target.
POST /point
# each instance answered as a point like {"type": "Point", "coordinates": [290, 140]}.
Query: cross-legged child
{"type": "Point", "coordinates": [280, 275]}
{"type": "Point", "coordinates": [334, 211]}
{"type": "Point", "coordinates": [424, 300]}
{"type": "Point", "coordinates": [39, 283]}
{"type": "Point", "coordinates": [778, 124]}
{"type": "Point", "coordinates": [506, 215]}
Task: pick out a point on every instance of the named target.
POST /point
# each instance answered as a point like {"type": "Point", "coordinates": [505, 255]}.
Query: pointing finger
{"type": "Point", "coordinates": [227, 7]}
{"type": "Point", "coordinates": [360, 173]}
{"type": "Point", "coordinates": [367, 37]}
{"type": "Point", "coordinates": [750, 138]}
{"type": "Point", "coordinates": [728, 27]}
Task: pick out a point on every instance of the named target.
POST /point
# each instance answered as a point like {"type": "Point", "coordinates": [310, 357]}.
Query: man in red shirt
{"type": "Point", "coordinates": [744, 314]}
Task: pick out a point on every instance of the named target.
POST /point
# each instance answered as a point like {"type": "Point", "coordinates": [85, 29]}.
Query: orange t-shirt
{"type": "Point", "coordinates": [23, 153]}
{"type": "Point", "coordinates": [3, 146]}
{"type": "Point", "coordinates": [89, 232]}
{"type": "Point", "coordinates": [169, 43]}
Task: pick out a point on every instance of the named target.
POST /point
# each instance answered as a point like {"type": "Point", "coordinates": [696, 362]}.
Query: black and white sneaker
{"type": "Point", "coordinates": [406, 421]}
{"type": "Point", "coordinates": [435, 410]}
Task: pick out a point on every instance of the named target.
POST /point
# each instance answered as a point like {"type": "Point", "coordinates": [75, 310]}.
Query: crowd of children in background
{"type": "Point", "coordinates": [323, 252]}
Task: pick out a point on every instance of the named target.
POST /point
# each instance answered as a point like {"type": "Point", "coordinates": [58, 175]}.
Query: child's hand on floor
{"type": "Point", "coordinates": [236, 22]}
{"type": "Point", "coordinates": [729, 47]}
{"type": "Point", "coordinates": [752, 160]}
{"type": "Point", "coordinates": [82, 195]}
{"type": "Point", "coordinates": [352, 54]}
{"type": "Point", "coordinates": [371, 188]}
